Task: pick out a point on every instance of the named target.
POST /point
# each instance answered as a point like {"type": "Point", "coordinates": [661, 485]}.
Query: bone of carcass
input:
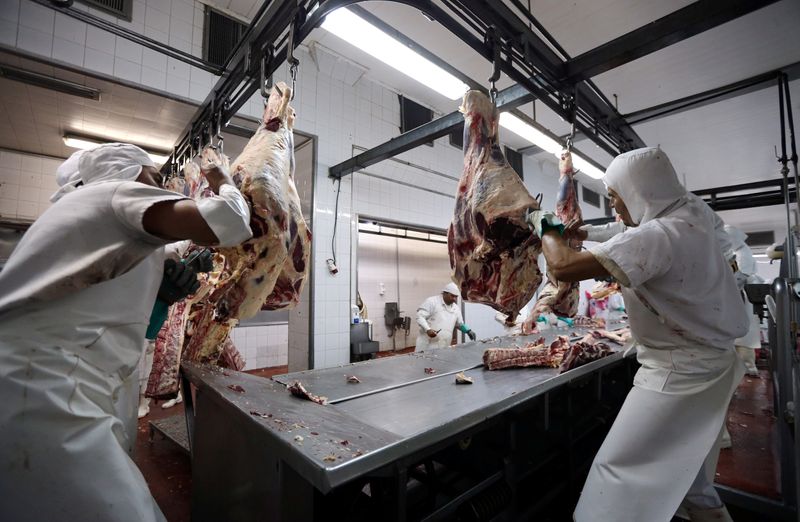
{"type": "Point", "coordinates": [297, 389]}
{"type": "Point", "coordinates": [592, 322]}
{"type": "Point", "coordinates": [533, 354]}
{"type": "Point", "coordinates": [620, 337]}
{"type": "Point", "coordinates": [493, 254]}
{"type": "Point", "coordinates": [561, 297]}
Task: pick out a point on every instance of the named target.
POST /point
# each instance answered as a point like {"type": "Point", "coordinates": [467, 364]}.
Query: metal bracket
{"type": "Point", "coordinates": [290, 57]}
{"type": "Point", "coordinates": [493, 43]}
{"type": "Point", "coordinates": [265, 82]}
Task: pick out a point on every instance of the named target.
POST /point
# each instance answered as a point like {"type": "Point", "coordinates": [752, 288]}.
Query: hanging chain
{"type": "Point", "coordinates": [493, 43]}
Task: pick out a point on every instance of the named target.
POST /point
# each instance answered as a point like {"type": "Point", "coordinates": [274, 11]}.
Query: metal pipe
{"type": "Point", "coordinates": [790, 253]}
{"type": "Point", "coordinates": [790, 119]}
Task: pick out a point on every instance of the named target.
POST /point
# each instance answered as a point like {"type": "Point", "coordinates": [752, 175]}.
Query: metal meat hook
{"type": "Point", "coordinates": [266, 82]}
{"type": "Point", "coordinates": [291, 59]}
{"type": "Point", "coordinates": [494, 47]}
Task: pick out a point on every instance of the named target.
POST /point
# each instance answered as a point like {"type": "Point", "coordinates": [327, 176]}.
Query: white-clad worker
{"type": "Point", "coordinates": [75, 299]}
{"type": "Point", "coordinates": [437, 317]}
{"type": "Point", "coordinates": [684, 311]}
{"type": "Point", "coordinates": [746, 264]}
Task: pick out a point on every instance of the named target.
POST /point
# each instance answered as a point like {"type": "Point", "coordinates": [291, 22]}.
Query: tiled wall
{"type": "Point", "coordinates": [262, 346]}
{"type": "Point", "coordinates": [179, 23]}
{"type": "Point", "coordinates": [26, 184]}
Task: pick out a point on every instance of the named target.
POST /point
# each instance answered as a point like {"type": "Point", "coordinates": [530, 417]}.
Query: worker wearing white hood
{"type": "Point", "coordinates": [437, 317]}
{"type": "Point", "coordinates": [684, 312]}
{"type": "Point", "coordinates": [746, 263]}
{"type": "Point", "coordinates": [75, 300]}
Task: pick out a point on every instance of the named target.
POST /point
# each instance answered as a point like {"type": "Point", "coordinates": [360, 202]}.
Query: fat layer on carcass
{"type": "Point", "coordinates": [561, 297]}
{"type": "Point", "coordinates": [493, 255]}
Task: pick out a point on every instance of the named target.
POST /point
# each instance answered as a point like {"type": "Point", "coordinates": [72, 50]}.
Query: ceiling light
{"type": "Point", "coordinates": [360, 33]}
{"type": "Point", "coordinates": [49, 82]}
{"type": "Point", "coordinates": [86, 143]}
{"type": "Point", "coordinates": [542, 139]}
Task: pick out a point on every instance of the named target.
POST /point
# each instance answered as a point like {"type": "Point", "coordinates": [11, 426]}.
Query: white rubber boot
{"type": "Point", "coordinates": [725, 440]}
{"type": "Point", "coordinates": [172, 402]}
{"type": "Point", "coordinates": [748, 356]}
{"type": "Point", "coordinates": [710, 515]}
{"type": "Point", "coordinates": [144, 406]}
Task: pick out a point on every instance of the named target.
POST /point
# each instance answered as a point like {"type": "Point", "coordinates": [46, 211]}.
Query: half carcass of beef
{"type": "Point", "coordinates": [493, 254]}
{"type": "Point", "coordinates": [536, 354]}
{"type": "Point", "coordinates": [561, 297]}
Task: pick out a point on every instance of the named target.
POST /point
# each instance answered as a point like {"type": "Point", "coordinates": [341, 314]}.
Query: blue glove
{"type": "Point", "coordinates": [543, 220]}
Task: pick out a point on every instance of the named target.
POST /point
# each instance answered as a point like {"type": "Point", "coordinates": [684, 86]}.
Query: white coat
{"type": "Point", "coordinates": [68, 350]}
{"type": "Point", "coordinates": [748, 268]}
{"type": "Point", "coordinates": [434, 314]}
{"type": "Point", "coordinates": [684, 313]}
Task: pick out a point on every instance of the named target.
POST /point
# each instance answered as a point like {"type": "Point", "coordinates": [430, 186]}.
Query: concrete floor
{"type": "Point", "coordinates": [750, 465]}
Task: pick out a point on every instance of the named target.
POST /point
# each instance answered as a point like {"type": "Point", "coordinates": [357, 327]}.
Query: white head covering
{"type": "Point", "coordinates": [110, 162]}
{"type": "Point", "coordinates": [736, 235]}
{"type": "Point", "coordinates": [646, 182]}
{"type": "Point", "coordinates": [451, 288]}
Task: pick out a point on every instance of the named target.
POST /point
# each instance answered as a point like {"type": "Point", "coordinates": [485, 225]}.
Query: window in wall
{"type": "Point", "coordinates": [119, 8]}
{"type": "Point", "coordinates": [412, 115]}
{"type": "Point", "coordinates": [766, 237]}
{"type": "Point", "coordinates": [591, 197]}
{"type": "Point", "coordinates": [515, 160]}
{"type": "Point", "coordinates": [608, 207]}
{"type": "Point", "coordinates": [457, 137]}
{"type": "Point", "coordinates": [220, 36]}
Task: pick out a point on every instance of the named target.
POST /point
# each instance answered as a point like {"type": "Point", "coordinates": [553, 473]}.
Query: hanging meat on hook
{"type": "Point", "coordinates": [560, 297]}
{"type": "Point", "coordinates": [493, 255]}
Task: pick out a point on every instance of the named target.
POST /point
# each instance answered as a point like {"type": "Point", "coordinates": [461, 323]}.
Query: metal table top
{"type": "Point", "coordinates": [390, 417]}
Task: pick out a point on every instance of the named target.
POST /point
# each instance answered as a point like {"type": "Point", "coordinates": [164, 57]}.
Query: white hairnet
{"type": "Point", "coordinates": [451, 288]}
{"type": "Point", "coordinates": [110, 162]}
{"type": "Point", "coordinates": [646, 182]}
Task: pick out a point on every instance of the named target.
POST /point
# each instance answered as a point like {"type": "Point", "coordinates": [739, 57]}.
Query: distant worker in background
{"type": "Point", "coordinates": [76, 297]}
{"type": "Point", "coordinates": [746, 275]}
{"type": "Point", "coordinates": [437, 317]}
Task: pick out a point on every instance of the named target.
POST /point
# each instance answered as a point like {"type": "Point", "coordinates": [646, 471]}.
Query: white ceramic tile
{"type": "Point", "coordinates": [30, 163]}
{"type": "Point", "coordinates": [99, 61]}
{"type": "Point", "coordinates": [35, 41]}
{"type": "Point", "coordinates": [45, 193]}
{"type": "Point", "coordinates": [36, 16]}
{"type": "Point", "coordinates": [30, 179]}
{"type": "Point", "coordinates": [27, 209]}
{"type": "Point", "coordinates": [8, 207]}
{"type": "Point", "coordinates": [178, 68]}
{"type": "Point", "coordinates": [9, 10]}
{"type": "Point", "coordinates": [181, 44]}
{"type": "Point", "coordinates": [27, 193]}
{"type": "Point", "coordinates": [127, 70]}
{"type": "Point", "coordinates": [9, 175]}
{"type": "Point", "coordinates": [197, 19]}
{"type": "Point", "coordinates": [182, 10]}
{"type": "Point", "coordinates": [198, 92]}
{"type": "Point", "coordinates": [155, 34]}
{"type": "Point", "coordinates": [8, 32]}
{"type": "Point", "coordinates": [9, 191]}
{"type": "Point", "coordinates": [11, 160]}
{"type": "Point", "coordinates": [128, 50]}
{"type": "Point", "coordinates": [157, 19]}
{"type": "Point", "coordinates": [154, 60]}
{"type": "Point", "coordinates": [100, 40]}
{"type": "Point", "coordinates": [155, 79]}
{"type": "Point", "coordinates": [68, 51]}
{"type": "Point", "coordinates": [69, 28]}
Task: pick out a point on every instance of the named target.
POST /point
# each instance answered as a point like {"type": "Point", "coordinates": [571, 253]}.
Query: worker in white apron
{"type": "Point", "coordinates": [75, 299]}
{"type": "Point", "coordinates": [684, 311]}
{"type": "Point", "coordinates": [437, 317]}
{"type": "Point", "coordinates": [747, 275]}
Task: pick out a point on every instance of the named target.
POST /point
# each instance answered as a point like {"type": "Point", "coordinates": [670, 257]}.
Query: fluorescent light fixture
{"type": "Point", "coordinates": [358, 32]}
{"type": "Point", "coordinates": [86, 143]}
{"type": "Point", "coordinates": [547, 143]}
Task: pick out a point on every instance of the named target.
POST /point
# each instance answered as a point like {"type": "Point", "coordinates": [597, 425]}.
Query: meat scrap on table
{"type": "Point", "coordinates": [298, 390]}
{"type": "Point", "coordinates": [558, 354]}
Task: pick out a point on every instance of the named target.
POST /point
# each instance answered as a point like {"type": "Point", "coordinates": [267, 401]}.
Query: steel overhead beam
{"type": "Point", "coordinates": [507, 98]}
{"type": "Point", "coordinates": [679, 25]}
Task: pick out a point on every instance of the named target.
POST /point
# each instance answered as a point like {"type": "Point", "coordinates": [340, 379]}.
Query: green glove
{"type": "Point", "coordinates": [157, 318]}
{"type": "Point", "coordinates": [543, 220]}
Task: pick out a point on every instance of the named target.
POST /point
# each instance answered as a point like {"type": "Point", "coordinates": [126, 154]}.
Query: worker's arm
{"type": "Point", "coordinates": [566, 264]}
{"type": "Point", "coordinates": [423, 313]}
{"type": "Point", "coordinates": [220, 220]}
{"type": "Point", "coordinates": [599, 233]}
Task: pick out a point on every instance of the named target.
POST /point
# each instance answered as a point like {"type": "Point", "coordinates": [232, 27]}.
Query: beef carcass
{"type": "Point", "coordinates": [533, 354]}
{"type": "Point", "coordinates": [560, 297]}
{"type": "Point", "coordinates": [493, 254]}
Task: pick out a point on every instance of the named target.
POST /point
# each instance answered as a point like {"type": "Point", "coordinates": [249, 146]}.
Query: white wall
{"type": "Point", "coordinates": [26, 183]}
{"type": "Point", "coordinates": [262, 346]}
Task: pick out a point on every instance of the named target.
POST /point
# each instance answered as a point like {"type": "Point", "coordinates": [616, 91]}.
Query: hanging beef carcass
{"type": "Point", "coordinates": [560, 297]}
{"type": "Point", "coordinates": [267, 271]}
{"type": "Point", "coordinates": [493, 254]}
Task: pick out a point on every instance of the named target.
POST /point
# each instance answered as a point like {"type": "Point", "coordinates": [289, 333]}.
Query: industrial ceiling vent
{"type": "Point", "coordinates": [591, 197]}
{"type": "Point", "coordinates": [763, 238]}
{"type": "Point", "coordinates": [220, 36]}
{"type": "Point", "coordinates": [119, 8]}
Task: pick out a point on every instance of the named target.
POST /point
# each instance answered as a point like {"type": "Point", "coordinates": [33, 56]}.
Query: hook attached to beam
{"type": "Point", "coordinates": [290, 57]}
{"type": "Point", "coordinates": [493, 44]}
{"type": "Point", "coordinates": [572, 106]}
{"type": "Point", "coordinates": [266, 81]}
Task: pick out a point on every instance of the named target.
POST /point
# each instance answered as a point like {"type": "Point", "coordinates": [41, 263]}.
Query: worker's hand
{"type": "Point", "coordinates": [178, 282]}
{"type": "Point", "coordinates": [202, 262]}
{"type": "Point", "coordinates": [541, 221]}
{"type": "Point", "coordinates": [217, 175]}
{"type": "Point", "coordinates": [431, 333]}
{"type": "Point", "coordinates": [471, 335]}
{"type": "Point", "coordinates": [575, 229]}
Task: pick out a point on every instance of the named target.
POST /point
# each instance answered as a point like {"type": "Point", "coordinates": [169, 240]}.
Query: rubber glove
{"type": "Point", "coordinates": [179, 280]}
{"type": "Point", "coordinates": [471, 335]}
{"type": "Point", "coordinates": [543, 220]}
